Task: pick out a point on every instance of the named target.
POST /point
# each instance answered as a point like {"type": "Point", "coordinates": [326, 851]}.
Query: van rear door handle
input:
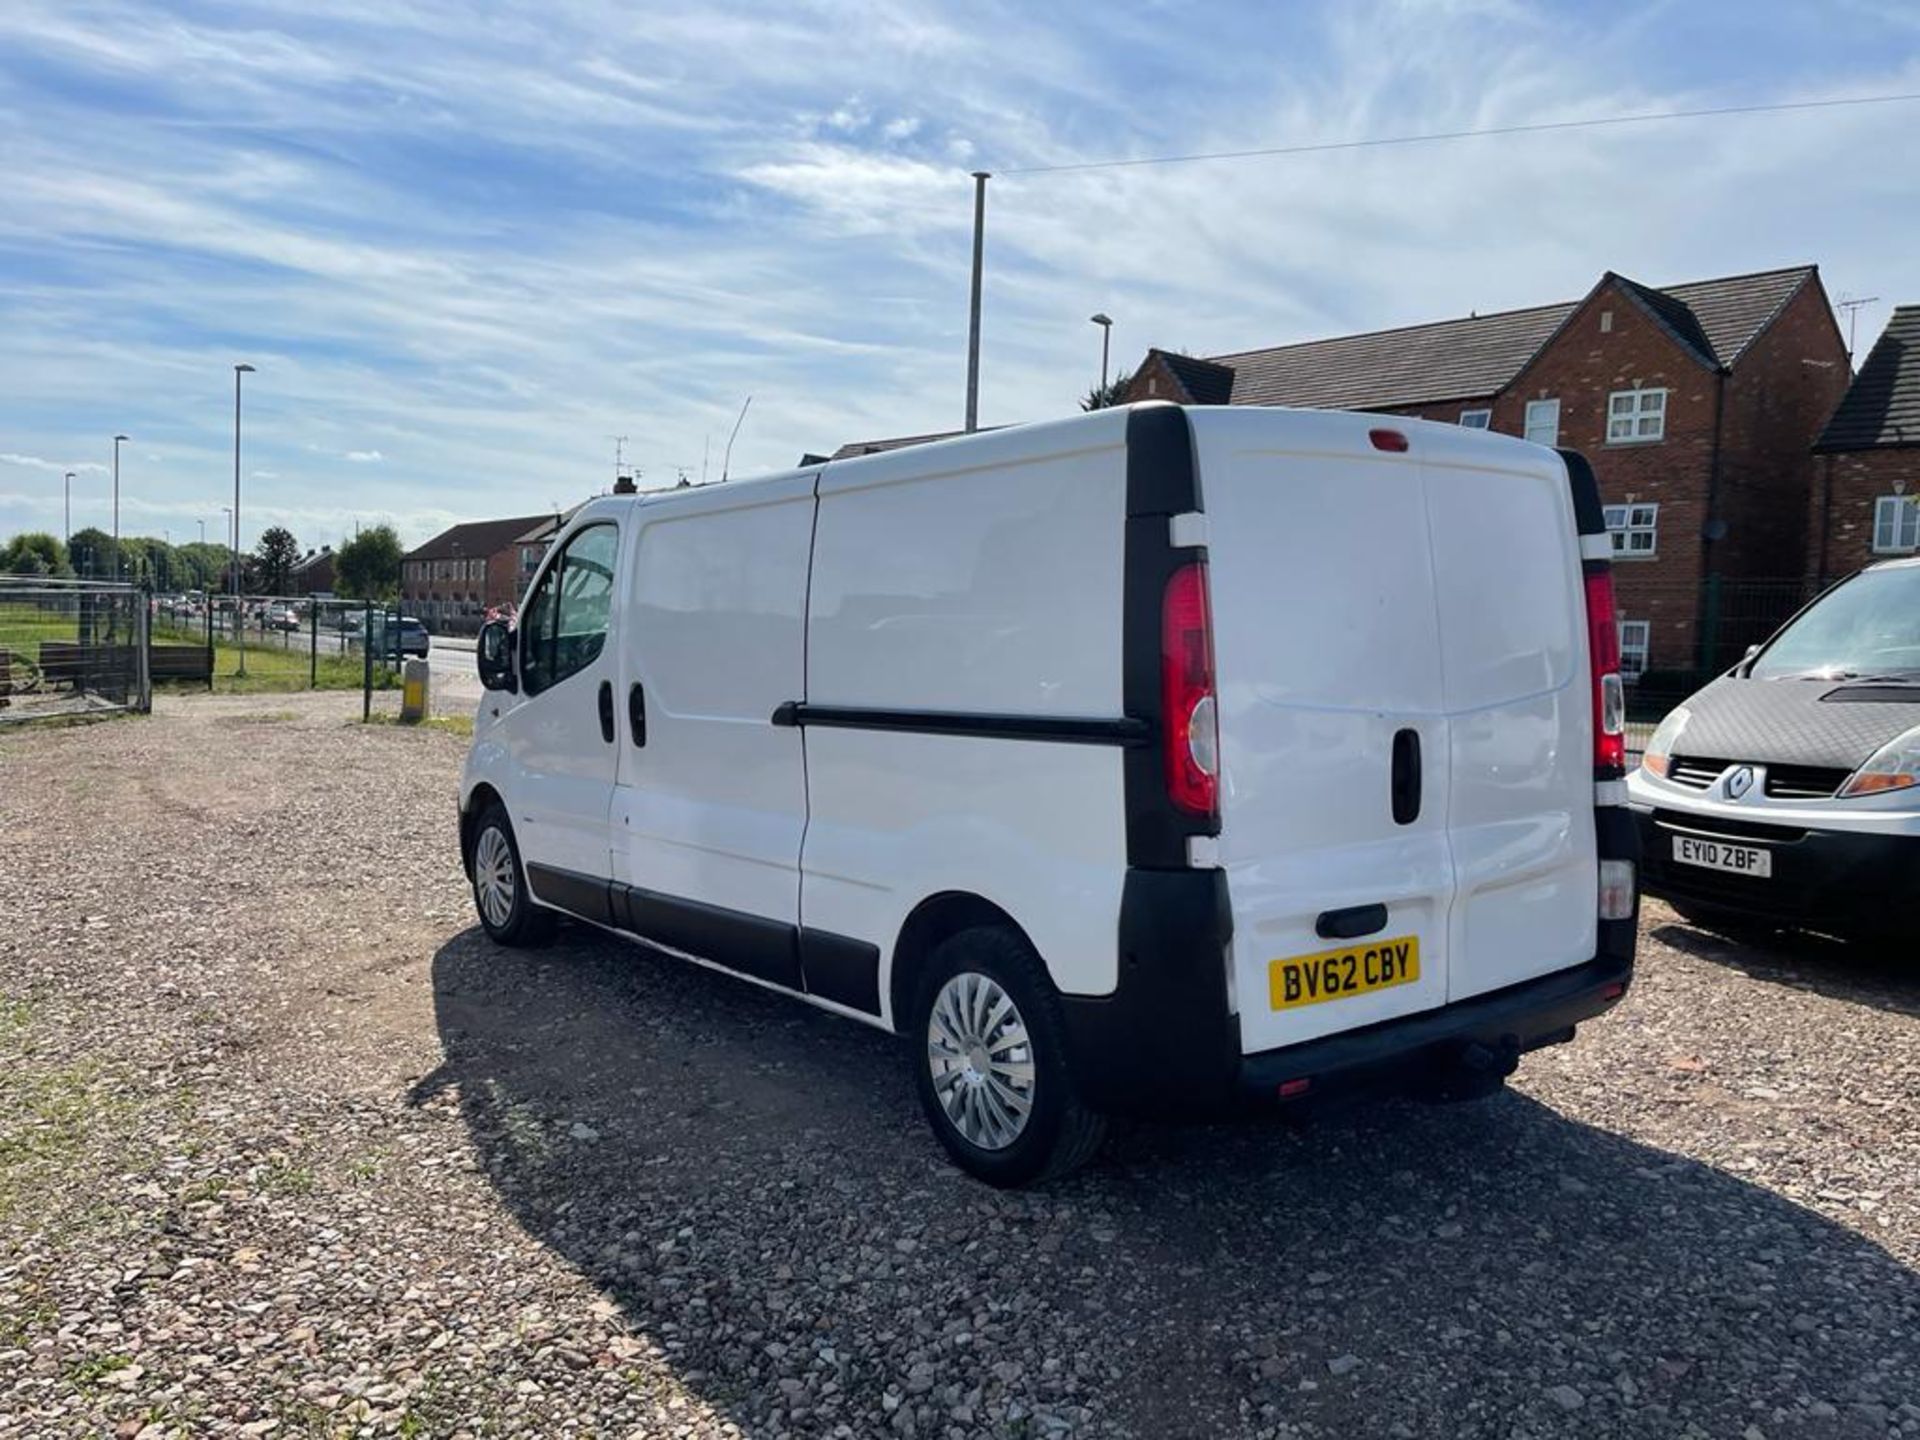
{"type": "Point", "coordinates": [606, 711]}
{"type": "Point", "coordinates": [1406, 776]}
{"type": "Point", "coordinates": [637, 713]}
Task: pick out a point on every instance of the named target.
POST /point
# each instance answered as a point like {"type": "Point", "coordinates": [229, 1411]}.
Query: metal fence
{"type": "Point", "coordinates": [70, 647]}
{"type": "Point", "coordinates": [268, 642]}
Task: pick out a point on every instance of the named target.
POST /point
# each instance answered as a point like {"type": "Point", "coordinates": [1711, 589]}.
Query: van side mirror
{"type": "Point", "coordinates": [493, 652]}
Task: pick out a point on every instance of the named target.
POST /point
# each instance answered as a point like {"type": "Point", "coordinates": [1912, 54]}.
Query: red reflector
{"type": "Point", "coordinates": [1387, 440]}
{"type": "Point", "coordinates": [1191, 732]}
{"type": "Point", "coordinates": [1613, 992]}
{"type": "Point", "coordinates": [1609, 698]}
{"type": "Point", "coordinates": [1291, 1088]}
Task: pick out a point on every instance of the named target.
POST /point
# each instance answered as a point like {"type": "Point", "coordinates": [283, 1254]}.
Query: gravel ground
{"type": "Point", "coordinates": [287, 1148]}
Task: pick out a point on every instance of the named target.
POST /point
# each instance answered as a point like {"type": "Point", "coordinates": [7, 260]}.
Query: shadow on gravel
{"type": "Point", "coordinates": [752, 1183]}
{"type": "Point", "coordinates": [1885, 975]}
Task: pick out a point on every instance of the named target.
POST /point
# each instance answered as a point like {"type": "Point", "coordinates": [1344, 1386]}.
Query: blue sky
{"type": "Point", "coordinates": [467, 244]}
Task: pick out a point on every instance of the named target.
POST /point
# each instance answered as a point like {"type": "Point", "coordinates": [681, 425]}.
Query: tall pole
{"type": "Point", "coordinates": [980, 178]}
{"type": "Point", "coordinates": [1105, 322]}
{"type": "Point", "coordinates": [239, 629]}
{"type": "Point", "coordinates": [118, 441]}
{"type": "Point", "coordinates": [69, 516]}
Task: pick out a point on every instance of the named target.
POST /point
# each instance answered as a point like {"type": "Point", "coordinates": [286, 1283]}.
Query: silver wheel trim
{"type": "Point", "coordinates": [493, 876]}
{"type": "Point", "coordinates": [981, 1060]}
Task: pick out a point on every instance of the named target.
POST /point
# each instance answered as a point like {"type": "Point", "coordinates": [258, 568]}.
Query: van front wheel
{"type": "Point", "coordinates": [500, 895]}
{"type": "Point", "coordinates": [990, 1063]}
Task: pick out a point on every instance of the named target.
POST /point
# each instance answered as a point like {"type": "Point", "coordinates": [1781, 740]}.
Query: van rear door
{"type": "Point", "coordinates": [1519, 700]}
{"type": "Point", "coordinates": [1375, 608]}
{"type": "Point", "coordinates": [1328, 657]}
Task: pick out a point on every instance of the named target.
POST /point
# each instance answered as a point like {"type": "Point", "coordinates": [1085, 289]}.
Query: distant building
{"type": "Point", "coordinates": [456, 577]}
{"type": "Point", "coordinates": [1698, 406]}
{"type": "Point", "coordinates": [1866, 502]}
{"type": "Point", "coordinates": [312, 573]}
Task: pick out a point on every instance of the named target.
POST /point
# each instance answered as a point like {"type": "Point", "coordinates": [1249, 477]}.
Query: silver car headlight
{"type": "Point", "coordinates": [1659, 752]}
{"type": "Point", "coordinates": [1894, 766]}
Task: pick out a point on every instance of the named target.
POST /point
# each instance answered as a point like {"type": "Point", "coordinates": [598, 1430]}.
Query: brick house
{"type": "Point", "coordinates": [1866, 495]}
{"type": "Point", "coordinates": [1698, 405]}
{"type": "Point", "coordinates": [456, 577]}
{"type": "Point", "coordinates": [312, 573]}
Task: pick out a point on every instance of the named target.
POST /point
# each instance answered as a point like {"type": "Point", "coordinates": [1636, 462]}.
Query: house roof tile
{"type": "Point", "coordinates": [475, 538]}
{"type": "Point", "coordinates": [1474, 357]}
{"type": "Point", "coordinates": [1882, 406]}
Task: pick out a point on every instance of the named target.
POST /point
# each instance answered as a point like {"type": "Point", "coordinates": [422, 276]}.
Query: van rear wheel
{"type": "Point", "coordinates": [500, 897]}
{"type": "Point", "coordinates": [990, 1063]}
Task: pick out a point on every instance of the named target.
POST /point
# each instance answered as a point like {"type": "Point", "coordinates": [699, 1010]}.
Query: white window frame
{"type": "Point", "coordinates": [1549, 404]}
{"type": "Point", "coordinates": [1637, 417]}
{"type": "Point", "coordinates": [1636, 642]}
{"type": "Point", "coordinates": [1893, 517]}
{"type": "Point", "coordinates": [1629, 523]}
{"type": "Point", "coordinates": [1476, 419]}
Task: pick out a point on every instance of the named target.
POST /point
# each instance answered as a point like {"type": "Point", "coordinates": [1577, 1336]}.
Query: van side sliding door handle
{"type": "Point", "coordinates": [637, 713]}
{"type": "Point", "coordinates": [1406, 776]}
{"type": "Point", "coordinates": [606, 711]}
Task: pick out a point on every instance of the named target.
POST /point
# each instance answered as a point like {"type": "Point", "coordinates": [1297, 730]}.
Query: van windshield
{"type": "Point", "coordinates": [1868, 627]}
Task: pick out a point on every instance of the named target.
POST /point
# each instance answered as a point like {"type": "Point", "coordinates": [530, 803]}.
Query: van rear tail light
{"type": "Point", "coordinates": [1192, 735]}
{"type": "Point", "coordinates": [1609, 694]}
{"type": "Point", "coordinates": [1616, 889]}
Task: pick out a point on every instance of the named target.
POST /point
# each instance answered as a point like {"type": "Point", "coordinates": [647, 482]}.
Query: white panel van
{"type": "Point", "coordinates": [1155, 760]}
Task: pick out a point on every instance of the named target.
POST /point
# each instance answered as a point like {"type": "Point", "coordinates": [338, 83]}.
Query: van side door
{"type": "Point", "coordinates": [711, 799]}
{"type": "Point", "coordinates": [562, 750]}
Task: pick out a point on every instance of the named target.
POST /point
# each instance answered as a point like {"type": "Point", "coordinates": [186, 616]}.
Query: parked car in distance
{"type": "Point", "coordinates": [1158, 759]}
{"type": "Point", "coordinates": [1787, 792]}
{"type": "Point", "coordinates": [412, 637]}
{"type": "Point", "coordinates": [282, 617]}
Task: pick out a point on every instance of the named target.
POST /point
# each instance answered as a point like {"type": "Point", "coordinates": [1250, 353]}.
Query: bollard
{"type": "Point", "coordinates": [413, 692]}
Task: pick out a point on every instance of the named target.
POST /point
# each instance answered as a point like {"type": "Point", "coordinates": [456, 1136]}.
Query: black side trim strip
{"type": "Point", "coordinates": [1061, 729]}
{"type": "Point", "coordinates": [752, 944]}
{"type": "Point", "coordinates": [805, 960]}
{"type": "Point", "coordinates": [569, 890]}
{"type": "Point", "coordinates": [841, 969]}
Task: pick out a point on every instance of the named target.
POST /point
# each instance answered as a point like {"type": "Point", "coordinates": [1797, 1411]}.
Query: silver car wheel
{"type": "Point", "coordinates": [493, 876]}
{"type": "Point", "coordinates": [981, 1060]}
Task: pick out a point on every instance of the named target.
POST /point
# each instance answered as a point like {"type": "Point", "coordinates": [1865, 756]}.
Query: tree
{"type": "Point", "coordinates": [367, 567]}
{"type": "Point", "coordinates": [34, 553]}
{"type": "Point", "coordinates": [92, 553]}
{"type": "Point", "coordinates": [275, 555]}
{"type": "Point", "coordinates": [1115, 393]}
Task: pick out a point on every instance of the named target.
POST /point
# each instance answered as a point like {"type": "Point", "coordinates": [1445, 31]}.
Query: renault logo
{"type": "Point", "coordinates": [1739, 782]}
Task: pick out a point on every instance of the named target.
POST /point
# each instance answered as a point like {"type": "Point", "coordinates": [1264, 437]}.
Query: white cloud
{"type": "Point", "coordinates": [34, 462]}
{"type": "Point", "coordinates": [529, 227]}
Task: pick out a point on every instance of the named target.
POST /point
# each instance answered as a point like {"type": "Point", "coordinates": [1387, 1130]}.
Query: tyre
{"type": "Point", "coordinates": [500, 895]}
{"type": "Point", "coordinates": [990, 1063]}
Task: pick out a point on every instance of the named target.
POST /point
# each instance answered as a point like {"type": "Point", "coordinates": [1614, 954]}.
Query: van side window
{"type": "Point", "coordinates": [564, 626]}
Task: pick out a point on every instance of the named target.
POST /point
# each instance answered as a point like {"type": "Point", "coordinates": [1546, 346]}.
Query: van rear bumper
{"type": "Point", "coordinates": [1455, 1048]}
{"type": "Point", "coordinates": [1167, 1042]}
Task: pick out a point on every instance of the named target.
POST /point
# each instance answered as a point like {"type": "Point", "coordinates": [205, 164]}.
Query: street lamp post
{"type": "Point", "coordinates": [1105, 322]}
{"type": "Point", "coordinates": [980, 178]}
{"type": "Point", "coordinates": [239, 631]}
{"type": "Point", "coordinates": [69, 516]}
{"type": "Point", "coordinates": [118, 441]}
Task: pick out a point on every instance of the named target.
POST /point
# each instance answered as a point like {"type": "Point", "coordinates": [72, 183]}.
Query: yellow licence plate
{"type": "Point", "coordinates": [1336, 974]}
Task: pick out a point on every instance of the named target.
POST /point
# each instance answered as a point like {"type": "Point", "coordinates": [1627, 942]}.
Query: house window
{"type": "Point", "coordinates": [1635, 530]}
{"type": "Point", "coordinates": [1636, 416]}
{"type": "Point", "coordinates": [1476, 419]}
{"type": "Point", "coordinates": [1635, 637]}
{"type": "Point", "coordinates": [1543, 422]}
{"type": "Point", "coordinates": [1896, 524]}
